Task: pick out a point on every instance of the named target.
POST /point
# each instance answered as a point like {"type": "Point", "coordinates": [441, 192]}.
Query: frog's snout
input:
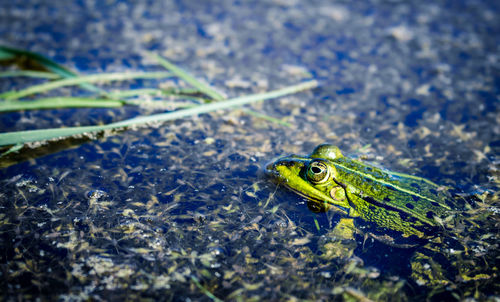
{"type": "Point", "coordinates": [271, 169]}
{"type": "Point", "coordinates": [275, 168]}
{"type": "Point", "coordinates": [272, 166]}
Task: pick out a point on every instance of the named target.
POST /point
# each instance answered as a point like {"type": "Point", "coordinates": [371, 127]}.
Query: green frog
{"type": "Point", "coordinates": [393, 202]}
{"type": "Point", "coordinates": [396, 201]}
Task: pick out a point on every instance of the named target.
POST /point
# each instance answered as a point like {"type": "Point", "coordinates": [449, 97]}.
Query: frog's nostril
{"type": "Point", "coordinates": [270, 167]}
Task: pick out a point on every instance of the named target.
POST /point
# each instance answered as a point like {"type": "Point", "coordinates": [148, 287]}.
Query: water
{"type": "Point", "coordinates": [143, 212]}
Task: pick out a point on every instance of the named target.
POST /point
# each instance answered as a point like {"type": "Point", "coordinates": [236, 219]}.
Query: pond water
{"type": "Point", "coordinates": [184, 211]}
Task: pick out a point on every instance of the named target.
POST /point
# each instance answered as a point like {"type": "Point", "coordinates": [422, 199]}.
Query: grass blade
{"type": "Point", "coordinates": [59, 102]}
{"type": "Point", "coordinates": [267, 118]}
{"type": "Point", "coordinates": [181, 91]}
{"type": "Point", "coordinates": [20, 137]}
{"type": "Point", "coordinates": [12, 149]}
{"type": "Point", "coordinates": [202, 87]}
{"type": "Point", "coordinates": [204, 290]}
{"type": "Point", "coordinates": [160, 104]}
{"type": "Point", "coordinates": [47, 63]}
{"type": "Point", "coordinates": [133, 93]}
{"type": "Point", "coordinates": [177, 93]}
{"type": "Point", "coordinates": [239, 101]}
{"type": "Point", "coordinates": [29, 73]}
{"type": "Point", "coordinates": [12, 95]}
{"type": "Point", "coordinates": [4, 55]}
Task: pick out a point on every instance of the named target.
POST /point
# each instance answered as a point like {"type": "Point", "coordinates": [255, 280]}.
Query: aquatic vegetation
{"type": "Point", "coordinates": [180, 210]}
{"type": "Point", "coordinates": [10, 100]}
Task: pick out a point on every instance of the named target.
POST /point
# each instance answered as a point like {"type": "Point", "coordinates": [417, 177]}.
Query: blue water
{"type": "Point", "coordinates": [411, 86]}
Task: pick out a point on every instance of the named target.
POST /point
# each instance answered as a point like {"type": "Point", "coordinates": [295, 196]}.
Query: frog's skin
{"type": "Point", "coordinates": [396, 201]}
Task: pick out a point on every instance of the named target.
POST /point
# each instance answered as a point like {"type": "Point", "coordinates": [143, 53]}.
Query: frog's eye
{"type": "Point", "coordinates": [318, 172]}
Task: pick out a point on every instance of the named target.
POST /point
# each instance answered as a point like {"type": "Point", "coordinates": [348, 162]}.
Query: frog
{"type": "Point", "coordinates": [401, 202]}
{"type": "Point", "coordinates": [393, 202]}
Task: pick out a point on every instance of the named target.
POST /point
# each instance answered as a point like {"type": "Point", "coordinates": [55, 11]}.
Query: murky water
{"type": "Point", "coordinates": [173, 211]}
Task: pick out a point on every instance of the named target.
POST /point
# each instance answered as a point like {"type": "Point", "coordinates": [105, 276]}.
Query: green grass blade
{"type": "Point", "coordinates": [204, 290]}
{"type": "Point", "coordinates": [177, 93]}
{"type": "Point", "coordinates": [19, 137]}
{"type": "Point", "coordinates": [267, 118]}
{"type": "Point", "coordinates": [59, 102]}
{"type": "Point", "coordinates": [187, 94]}
{"type": "Point", "coordinates": [12, 149]}
{"type": "Point", "coordinates": [9, 95]}
{"type": "Point", "coordinates": [30, 74]}
{"type": "Point", "coordinates": [202, 87]}
{"type": "Point", "coordinates": [44, 134]}
{"type": "Point", "coordinates": [4, 55]}
{"type": "Point", "coordinates": [239, 101]}
{"type": "Point", "coordinates": [134, 92]}
{"type": "Point", "coordinates": [316, 223]}
{"type": "Point", "coordinates": [160, 104]}
{"type": "Point", "coordinates": [47, 63]}
{"type": "Point", "coordinates": [180, 91]}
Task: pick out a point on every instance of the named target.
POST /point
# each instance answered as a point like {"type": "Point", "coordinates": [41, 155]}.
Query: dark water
{"type": "Point", "coordinates": [155, 212]}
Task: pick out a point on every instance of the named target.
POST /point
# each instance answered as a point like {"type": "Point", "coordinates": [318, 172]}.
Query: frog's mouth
{"type": "Point", "coordinates": [287, 171]}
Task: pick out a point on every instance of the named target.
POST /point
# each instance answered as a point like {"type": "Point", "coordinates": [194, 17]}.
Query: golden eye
{"type": "Point", "coordinates": [318, 172]}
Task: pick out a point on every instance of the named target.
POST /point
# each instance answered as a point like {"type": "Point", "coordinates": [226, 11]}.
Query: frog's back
{"type": "Point", "coordinates": [417, 197]}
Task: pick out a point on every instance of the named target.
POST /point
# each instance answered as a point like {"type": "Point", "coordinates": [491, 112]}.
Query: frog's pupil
{"type": "Point", "coordinates": [316, 170]}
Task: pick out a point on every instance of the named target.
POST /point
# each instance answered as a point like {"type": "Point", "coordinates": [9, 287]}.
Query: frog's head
{"type": "Point", "coordinates": [312, 176]}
